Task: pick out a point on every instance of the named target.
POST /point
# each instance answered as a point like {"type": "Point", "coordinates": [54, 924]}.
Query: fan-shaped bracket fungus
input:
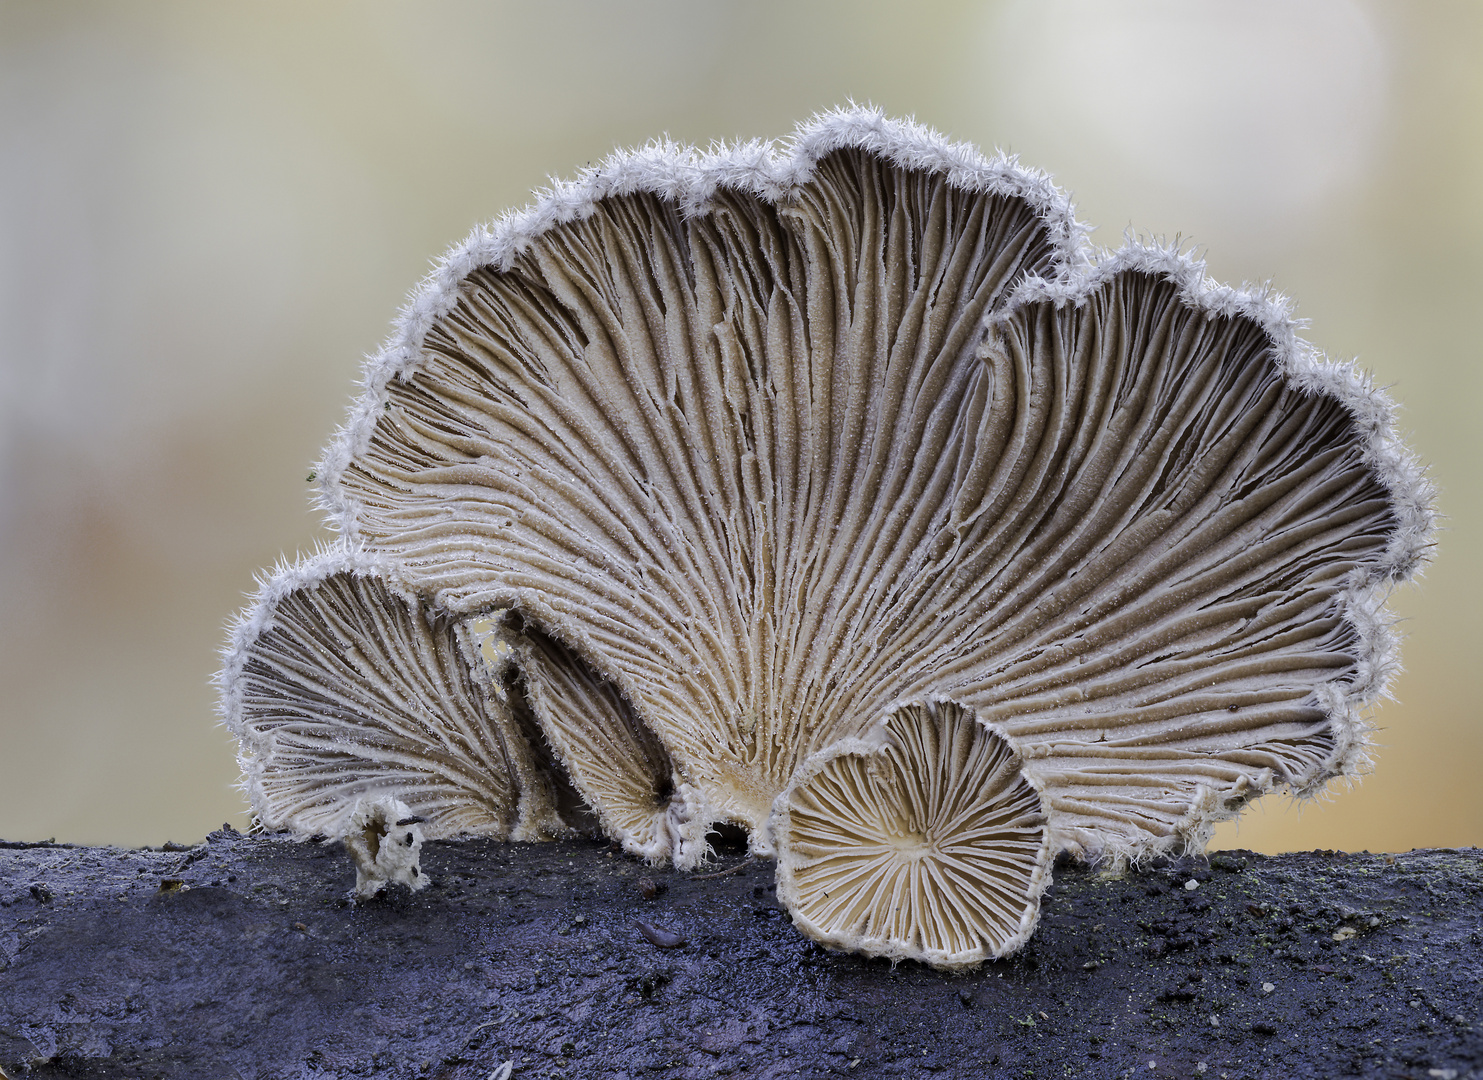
{"type": "Point", "coordinates": [923, 840]}
{"type": "Point", "coordinates": [668, 489]}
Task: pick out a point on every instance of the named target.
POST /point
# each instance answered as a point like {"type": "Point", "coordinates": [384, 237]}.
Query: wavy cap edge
{"type": "Point", "coordinates": [1308, 370]}
{"type": "Point", "coordinates": [257, 618]}
{"type": "Point", "coordinates": [689, 177]}
{"type": "Point", "coordinates": [1362, 603]}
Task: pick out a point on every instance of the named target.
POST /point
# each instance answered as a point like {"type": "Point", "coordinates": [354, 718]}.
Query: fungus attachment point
{"type": "Point", "coordinates": [927, 844]}
{"type": "Point", "coordinates": [385, 851]}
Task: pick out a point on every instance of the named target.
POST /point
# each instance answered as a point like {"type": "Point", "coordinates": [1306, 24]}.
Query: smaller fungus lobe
{"type": "Point", "coordinates": [930, 845]}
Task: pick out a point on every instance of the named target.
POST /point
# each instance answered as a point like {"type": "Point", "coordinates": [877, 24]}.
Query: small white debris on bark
{"type": "Point", "coordinates": [385, 841]}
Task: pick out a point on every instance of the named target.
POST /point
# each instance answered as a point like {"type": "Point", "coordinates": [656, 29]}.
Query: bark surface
{"type": "Point", "coordinates": [244, 957]}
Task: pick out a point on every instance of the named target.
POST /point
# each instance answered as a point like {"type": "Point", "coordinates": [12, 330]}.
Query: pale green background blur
{"type": "Point", "coordinates": [209, 212]}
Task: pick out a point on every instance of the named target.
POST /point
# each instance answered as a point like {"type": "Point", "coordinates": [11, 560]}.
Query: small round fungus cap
{"type": "Point", "coordinates": [924, 841]}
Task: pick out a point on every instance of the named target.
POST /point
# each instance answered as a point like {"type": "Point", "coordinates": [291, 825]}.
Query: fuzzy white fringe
{"type": "Point", "coordinates": [690, 178]}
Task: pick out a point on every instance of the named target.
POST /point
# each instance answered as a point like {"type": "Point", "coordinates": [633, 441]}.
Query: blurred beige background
{"type": "Point", "coordinates": [210, 212]}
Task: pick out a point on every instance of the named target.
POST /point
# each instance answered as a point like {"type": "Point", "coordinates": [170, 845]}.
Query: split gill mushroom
{"type": "Point", "coordinates": [835, 490]}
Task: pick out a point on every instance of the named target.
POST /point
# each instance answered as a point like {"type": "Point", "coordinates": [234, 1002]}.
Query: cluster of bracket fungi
{"type": "Point", "coordinates": [837, 491]}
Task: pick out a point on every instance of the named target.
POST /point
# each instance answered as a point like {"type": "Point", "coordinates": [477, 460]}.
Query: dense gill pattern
{"type": "Point", "coordinates": [763, 469]}
{"type": "Point", "coordinates": [351, 692]}
{"type": "Point", "coordinates": [691, 448]}
{"type": "Point", "coordinates": [930, 845]}
{"type": "Point", "coordinates": [1144, 565]}
{"type": "Point", "coordinates": [618, 768]}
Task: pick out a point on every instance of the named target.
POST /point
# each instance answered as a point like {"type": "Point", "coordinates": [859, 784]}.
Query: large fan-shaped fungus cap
{"type": "Point", "coordinates": [694, 419]}
{"type": "Point", "coordinates": [925, 842]}
{"type": "Point", "coordinates": [773, 442]}
{"type": "Point", "coordinates": [706, 462]}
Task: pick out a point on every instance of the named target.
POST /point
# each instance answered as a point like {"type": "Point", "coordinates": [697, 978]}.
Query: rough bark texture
{"type": "Point", "coordinates": [244, 957]}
